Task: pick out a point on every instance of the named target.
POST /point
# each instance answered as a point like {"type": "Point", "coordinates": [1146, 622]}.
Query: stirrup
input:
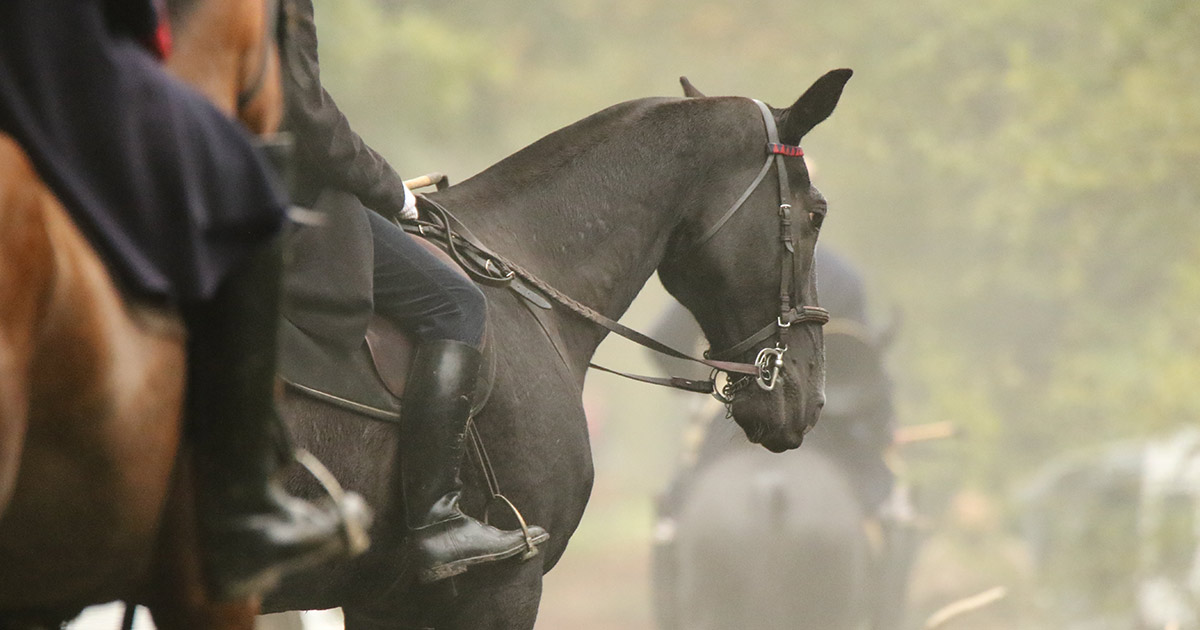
{"type": "Point", "coordinates": [347, 504]}
{"type": "Point", "coordinates": [531, 549]}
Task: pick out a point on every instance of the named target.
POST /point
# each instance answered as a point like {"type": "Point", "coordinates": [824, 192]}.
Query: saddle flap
{"type": "Point", "coordinates": [324, 371]}
{"type": "Point", "coordinates": [392, 350]}
{"type": "Point", "coordinates": [392, 353]}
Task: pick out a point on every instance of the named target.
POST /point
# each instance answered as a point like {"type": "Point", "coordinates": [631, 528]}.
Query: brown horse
{"type": "Point", "coordinates": [95, 499]}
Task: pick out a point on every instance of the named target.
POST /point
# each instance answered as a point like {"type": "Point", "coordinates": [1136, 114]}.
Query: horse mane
{"type": "Point", "coordinates": [565, 145]}
{"type": "Point", "coordinates": [649, 120]}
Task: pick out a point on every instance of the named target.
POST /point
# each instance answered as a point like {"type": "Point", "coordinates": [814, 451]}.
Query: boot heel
{"type": "Point", "coordinates": [428, 576]}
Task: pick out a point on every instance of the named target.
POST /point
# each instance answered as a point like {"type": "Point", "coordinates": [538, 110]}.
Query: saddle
{"type": "Point", "coordinates": [332, 347]}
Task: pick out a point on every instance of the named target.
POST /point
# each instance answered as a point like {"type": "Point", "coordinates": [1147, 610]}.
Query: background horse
{"type": "Point", "coordinates": [754, 542]}
{"type": "Point", "coordinates": [766, 542]}
{"type": "Point", "coordinates": [93, 505]}
{"type": "Point", "coordinates": [593, 209]}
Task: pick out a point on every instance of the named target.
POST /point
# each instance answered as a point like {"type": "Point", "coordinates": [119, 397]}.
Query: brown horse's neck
{"type": "Point", "coordinates": [219, 50]}
{"type": "Point", "coordinates": [26, 276]}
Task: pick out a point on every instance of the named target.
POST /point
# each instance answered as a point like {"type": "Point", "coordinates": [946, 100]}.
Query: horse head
{"type": "Point", "coordinates": [230, 51]}
{"type": "Point", "coordinates": [749, 277]}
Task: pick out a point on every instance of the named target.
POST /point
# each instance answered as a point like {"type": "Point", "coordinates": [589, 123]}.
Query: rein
{"type": "Point", "coordinates": [492, 269]}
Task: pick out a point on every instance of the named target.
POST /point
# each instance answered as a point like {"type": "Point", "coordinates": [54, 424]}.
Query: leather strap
{"type": "Point", "coordinates": [675, 382]}
{"type": "Point", "coordinates": [456, 228]}
{"type": "Point", "coordinates": [737, 205]}
{"type": "Point", "coordinates": [806, 315]}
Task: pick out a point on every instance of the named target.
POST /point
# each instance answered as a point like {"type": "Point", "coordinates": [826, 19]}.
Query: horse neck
{"type": "Point", "coordinates": [590, 209]}
{"type": "Point", "coordinates": [213, 44]}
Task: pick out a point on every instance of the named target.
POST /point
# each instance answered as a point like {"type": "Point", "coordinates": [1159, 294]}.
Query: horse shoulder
{"type": "Point", "coordinates": [89, 386]}
{"type": "Point", "coordinates": [24, 272]}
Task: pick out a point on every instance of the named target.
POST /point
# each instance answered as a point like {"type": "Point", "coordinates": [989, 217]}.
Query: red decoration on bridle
{"type": "Point", "coordinates": [789, 150]}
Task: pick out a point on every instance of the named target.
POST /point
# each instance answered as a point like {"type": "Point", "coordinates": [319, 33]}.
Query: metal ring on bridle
{"type": "Point", "coordinates": [769, 362]}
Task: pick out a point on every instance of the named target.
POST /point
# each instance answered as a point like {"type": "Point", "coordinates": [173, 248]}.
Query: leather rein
{"type": "Point", "coordinates": [492, 269]}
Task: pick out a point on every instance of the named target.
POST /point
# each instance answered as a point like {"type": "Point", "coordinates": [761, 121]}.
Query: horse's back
{"type": "Point", "coordinates": [90, 395]}
{"type": "Point", "coordinates": [768, 541]}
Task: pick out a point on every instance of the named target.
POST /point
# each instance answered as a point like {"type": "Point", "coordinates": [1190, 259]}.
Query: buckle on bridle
{"type": "Point", "coordinates": [769, 362]}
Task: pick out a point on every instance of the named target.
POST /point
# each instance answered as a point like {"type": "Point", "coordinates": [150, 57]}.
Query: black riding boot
{"type": "Point", "coordinates": [437, 404]}
{"type": "Point", "coordinates": [252, 531]}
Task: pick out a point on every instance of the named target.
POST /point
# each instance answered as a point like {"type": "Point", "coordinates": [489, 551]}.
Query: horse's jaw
{"type": "Point", "coordinates": [779, 419]}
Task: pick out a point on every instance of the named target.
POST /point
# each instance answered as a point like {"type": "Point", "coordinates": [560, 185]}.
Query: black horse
{"type": "Point", "coordinates": [765, 542]}
{"type": "Point", "coordinates": [594, 210]}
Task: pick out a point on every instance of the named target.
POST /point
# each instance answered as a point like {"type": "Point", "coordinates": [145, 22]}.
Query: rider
{"type": "Point", "coordinates": [444, 311]}
{"type": "Point", "coordinates": [174, 198]}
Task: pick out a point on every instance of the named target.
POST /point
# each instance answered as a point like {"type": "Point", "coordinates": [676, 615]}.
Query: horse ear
{"type": "Point", "coordinates": [814, 106]}
{"type": "Point", "coordinates": [689, 90]}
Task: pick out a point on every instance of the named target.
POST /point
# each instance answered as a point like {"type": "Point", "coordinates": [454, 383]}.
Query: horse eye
{"type": "Point", "coordinates": [816, 218]}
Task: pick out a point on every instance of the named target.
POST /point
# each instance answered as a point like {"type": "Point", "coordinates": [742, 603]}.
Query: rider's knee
{"type": "Point", "coordinates": [467, 322]}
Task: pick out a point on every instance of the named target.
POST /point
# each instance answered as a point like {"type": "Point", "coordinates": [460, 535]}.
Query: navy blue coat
{"type": "Point", "coordinates": [169, 191]}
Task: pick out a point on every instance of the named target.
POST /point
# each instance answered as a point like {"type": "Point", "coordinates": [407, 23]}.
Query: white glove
{"type": "Point", "coordinates": [409, 211]}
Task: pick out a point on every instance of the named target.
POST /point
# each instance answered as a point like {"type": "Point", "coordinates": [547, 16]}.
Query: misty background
{"type": "Point", "coordinates": [1017, 180]}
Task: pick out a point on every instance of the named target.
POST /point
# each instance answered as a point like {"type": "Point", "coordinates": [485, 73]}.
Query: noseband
{"type": "Point", "coordinates": [488, 267]}
{"type": "Point", "coordinates": [769, 360]}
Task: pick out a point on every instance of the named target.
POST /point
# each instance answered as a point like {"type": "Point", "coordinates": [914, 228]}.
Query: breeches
{"type": "Point", "coordinates": [418, 291]}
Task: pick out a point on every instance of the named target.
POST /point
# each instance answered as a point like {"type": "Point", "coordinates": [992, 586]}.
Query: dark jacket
{"type": "Point", "coordinates": [329, 154]}
{"type": "Point", "coordinates": [168, 189]}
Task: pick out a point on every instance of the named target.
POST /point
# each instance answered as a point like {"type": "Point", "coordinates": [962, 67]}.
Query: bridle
{"type": "Point", "coordinates": [247, 94]}
{"type": "Point", "coordinates": [490, 268]}
{"type": "Point", "coordinates": [769, 360]}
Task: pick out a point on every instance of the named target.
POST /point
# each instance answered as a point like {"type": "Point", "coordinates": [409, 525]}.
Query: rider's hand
{"type": "Point", "coordinates": [409, 211]}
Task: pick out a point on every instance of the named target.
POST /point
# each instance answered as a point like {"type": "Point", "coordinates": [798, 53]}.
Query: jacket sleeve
{"type": "Point", "coordinates": [326, 147]}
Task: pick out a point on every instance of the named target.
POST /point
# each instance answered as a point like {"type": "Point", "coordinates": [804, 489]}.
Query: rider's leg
{"type": "Point", "coordinates": [421, 293]}
{"type": "Point", "coordinates": [447, 313]}
{"type": "Point", "coordinates": [901, 540]}
{"type": "Point", "coordinates": [252, 530]}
